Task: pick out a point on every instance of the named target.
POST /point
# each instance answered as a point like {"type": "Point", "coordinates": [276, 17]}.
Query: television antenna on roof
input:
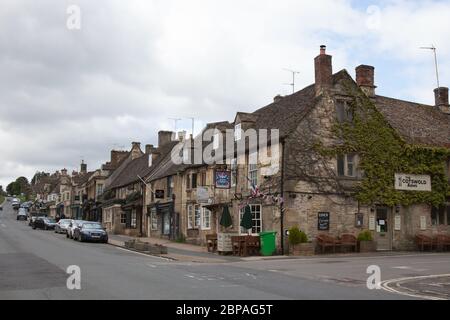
{"type": "Point", "coordinates": [175, 120]}
{"type": "Point", "coordinates": [435, 61]}
{"type": "Point", "coordinates": [293, 78]}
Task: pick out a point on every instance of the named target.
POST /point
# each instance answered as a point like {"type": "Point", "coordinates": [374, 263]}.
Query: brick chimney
{"type": "Point", "coordinates": [64, 172]}
{"type": "Point", "coordinates": [149, 148]}
{"type": "Point", "coordinates": [365, 76]}
{"type": "Point", "coordinates": [165, 137]}
{"type": "Point", "coordinates": [441, 99]}
{"type": "Point", "coordinates": [323, 71]}
{"type": "Point", "coordinates": [136, 151]}
{"type": "Point", "coordinates": [83, 167]}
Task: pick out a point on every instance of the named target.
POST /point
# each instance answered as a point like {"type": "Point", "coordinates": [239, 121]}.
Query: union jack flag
{"type": "Point", "coordinates": [255, 189]}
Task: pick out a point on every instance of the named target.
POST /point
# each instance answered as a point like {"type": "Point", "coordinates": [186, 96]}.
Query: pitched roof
{"type": "Point", "coordinates": [416, 123]}
{"type": "Point", "coordinates": [82, 178]}
{"type": "Point", "coordinates": [130, 172]}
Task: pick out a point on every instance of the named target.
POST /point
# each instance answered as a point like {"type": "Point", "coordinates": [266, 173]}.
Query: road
{"type": "Point", "coordinates": [33, 265]}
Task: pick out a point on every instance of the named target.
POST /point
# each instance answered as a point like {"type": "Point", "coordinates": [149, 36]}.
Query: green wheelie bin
{"type": "Point", "coordinates": [268, 246]}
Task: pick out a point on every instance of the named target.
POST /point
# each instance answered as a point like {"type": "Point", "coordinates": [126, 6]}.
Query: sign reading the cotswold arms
{"type": "Point", "coordinates": [412, 182]}
{"type": "Point", "coordinates": [222, 179]}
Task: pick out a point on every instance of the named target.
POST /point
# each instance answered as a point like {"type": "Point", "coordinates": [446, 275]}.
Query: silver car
{"type": "Point", "coordinates": [73, 224]}
{"type": "Point", "coordinates": [62, 226]}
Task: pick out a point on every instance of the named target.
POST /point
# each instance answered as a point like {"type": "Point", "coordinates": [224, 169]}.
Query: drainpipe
{"type": "Point", "coordinates": [282, 196]}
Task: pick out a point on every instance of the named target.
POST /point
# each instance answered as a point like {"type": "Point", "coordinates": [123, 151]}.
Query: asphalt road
{"type": "Point", "coordinates": [33, 265]}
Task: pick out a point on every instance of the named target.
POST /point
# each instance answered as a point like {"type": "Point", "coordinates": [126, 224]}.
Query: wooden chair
{"type": "Point", "coordinates": [349, 240]}
{"type": "Point", "coordinates": [422, 241]}
{"type": "Point", "coordinates": [324, 241]}
{"type": "Point", "coordinates": [442, 241]}
{"type": "Point", "coordinates": [236, 244]}
{"type": "Point", "coordinates": [211, 242]}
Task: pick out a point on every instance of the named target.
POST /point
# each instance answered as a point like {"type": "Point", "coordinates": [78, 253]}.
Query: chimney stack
{"type": "Point", "coordinates": [441, 99]}
{"type": "Point", "coordinates": [136, 151]}
{"type": "Point", "coordinates": [277, 98]}
{"type": "Point", "coordinates": [83, 167]}
{"type": "Point", "coordinates": [165, 137]}
{"type": "Point", "coordinates": [149, 148]}
{"type": "Point", "coordinates": [365, 78]}
{"type": "Point", "coordinates": [323, 71]}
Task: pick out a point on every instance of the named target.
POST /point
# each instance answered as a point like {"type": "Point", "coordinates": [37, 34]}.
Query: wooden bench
{"type": "Point", "coordinates": [324, 241]}
{"type": "Point", "coordinates": [211, 242]}
{"type": "Point", "coordinates": [423, 241]}
{"type": "Point", "coordinates": [442, 241]}
{"type": "Point", "coordinates": [348, 241]}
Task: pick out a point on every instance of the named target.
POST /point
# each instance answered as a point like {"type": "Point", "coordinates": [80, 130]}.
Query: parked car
{"type": "Point", "coordinates": [44, 223]}
{"type": "Point", "coordinates": [22, 214]}
{"type": "Point", "coordinates": [73, 224]}
{"type": "Point", "coordinates": [62, 225]}
{"type": "Point", "coordinates": [16, 205]}
{"type": "Point", "coordinates": [90, 231]}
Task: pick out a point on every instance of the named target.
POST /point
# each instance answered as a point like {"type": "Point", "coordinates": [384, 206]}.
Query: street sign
{"type": "Point", "coordinates": [222, 179]}
{"type": "Point", "coordinates": [412, 182]}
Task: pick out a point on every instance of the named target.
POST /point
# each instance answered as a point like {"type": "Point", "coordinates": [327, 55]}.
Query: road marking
{"type": "Point", "coordinates": [408, 268]}
{"type": "Point", "coordinates": [385, 286]}
{"type": "Point", "coordinates": [143, 254]}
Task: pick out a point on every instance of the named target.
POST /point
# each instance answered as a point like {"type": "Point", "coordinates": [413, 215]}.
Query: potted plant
{"type": "Point", "coordinates": [298, 243]}
{"type": "Point", "coordinates": [365, 241]}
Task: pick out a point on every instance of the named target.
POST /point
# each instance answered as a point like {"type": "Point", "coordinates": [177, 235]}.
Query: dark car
{"type": "Point", "coordinates": [90, 231]}
{"type": "Point", "coordinates": [44, 223]}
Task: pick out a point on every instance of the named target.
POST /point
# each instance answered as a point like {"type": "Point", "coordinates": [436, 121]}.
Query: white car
{"type": "Point", "coordinates": [73, 224]}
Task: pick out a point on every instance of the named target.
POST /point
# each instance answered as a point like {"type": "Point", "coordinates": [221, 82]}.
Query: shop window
{"type": "Point", "coordinates": [153, 219]}
{"type": "Point", "coordinates": [206, 219]}
{"type": "Point", "coordinates": [123, 218]}
{"type": "Point", "coordinates": [133, 219]}
{"type": "Point", "coordinates": [190, 216]}
{"type": "Point", "coordinates": [197, 216]}
{"type": "Point", "coordinates": [256, 218]}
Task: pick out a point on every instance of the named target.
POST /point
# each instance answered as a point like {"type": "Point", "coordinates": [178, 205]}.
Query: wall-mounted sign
{"type": "Point", "coordinates": [222, 179]}
{"type": "Point", "coordinates": [359, 219]}
{"type": "Point", "coordinates": [202, 194]}
{"type": "Point", "coordinates": [372, 222]}
{"type": "Point", "coordinates": [415, 182]}
{"type": "Point", "coordinates": [323, 221]}
{"type": "Point", "coordinates": [397, 222]}
{"type": "Point", "coordinates": [159, 194]}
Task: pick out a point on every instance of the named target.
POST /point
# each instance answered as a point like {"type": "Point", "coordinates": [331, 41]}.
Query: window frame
{"type": "Point", "coordinates": [203, 215]}
{"type": "Point", "coordinates": [256, 227]}
{"type": "Point", "coordinates": [190, 216]}
{"type": "Point", "coordinates": [153, 219]}
{"type": "Point", "coordinates": [252, 175]}
{"type": "Point", "coordinates": [238, 132]}
{"type": "Point", "coordinates": [197, 216]}
{"type": "Point", "coordinates": [133, 219]}
{"type": "Point", "coordinates": [123, 217]}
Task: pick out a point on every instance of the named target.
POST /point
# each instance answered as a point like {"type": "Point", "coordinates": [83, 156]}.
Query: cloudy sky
{"type": "Point", "coordinates": [72, 94]}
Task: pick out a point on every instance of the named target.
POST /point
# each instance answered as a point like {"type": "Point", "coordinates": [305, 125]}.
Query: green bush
{"type": "Point", "coordinates": [365, 235]}
{"type": "Point", "coordinates": [296, 236]}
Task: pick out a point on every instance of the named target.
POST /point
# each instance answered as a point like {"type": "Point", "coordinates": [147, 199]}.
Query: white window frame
{"type": "Point", "coordinates": [258, 227]}
{"type": "Point", "coordinates": [252, 174]}
{"type": "Point", "coordinates": [237, 132]}
{"type": "Point", "coordinates": [206, 219]}
{"type": "Point", "coordinates": [190, 216]}
{"type": "Point", "coordinates": [99, 189]}
{"type": "Point", "coordinates": [197, 216]}
{"type": "Point", "coordinates": [133, 222]}
{"type": "Point", "coordinates": [153, 219]}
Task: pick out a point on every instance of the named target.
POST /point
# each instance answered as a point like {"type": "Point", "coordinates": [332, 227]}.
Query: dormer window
{"type": "Point", "coordinates": [237, 132]}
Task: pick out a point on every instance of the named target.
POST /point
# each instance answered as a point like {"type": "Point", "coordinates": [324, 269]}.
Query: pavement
{"type": "Point", "coordinates": [36, 264]}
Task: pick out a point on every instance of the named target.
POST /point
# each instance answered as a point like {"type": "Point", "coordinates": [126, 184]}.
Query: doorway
{"type": "Point", "coordinates": [383, 228]}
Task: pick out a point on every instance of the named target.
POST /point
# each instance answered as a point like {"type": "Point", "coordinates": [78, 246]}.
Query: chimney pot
{"type": "Point", "coordinates": [323, 48]}
{"type": "Point", "coordinates": [277, 98]}
{"type": "Point", "coordinates": [165, 137]}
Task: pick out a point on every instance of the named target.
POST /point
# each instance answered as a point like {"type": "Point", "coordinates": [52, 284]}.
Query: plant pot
{"type": "Point", "coordinates": [157, 249]}
{"type": "Point", "coordinates": [367, 246]}
{"type": "Point", "coordinates": [130, 244]}
{"type": "Point", "coordinates": [301, 249]}
{"type": "Point", "coordinates": [141, 246]}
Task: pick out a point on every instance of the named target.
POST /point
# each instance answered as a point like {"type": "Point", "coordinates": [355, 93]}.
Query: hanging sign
{"type": "Point", "coordinates": [222, 179]}
{"type": "Point", "coordinates": [412, 182]}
